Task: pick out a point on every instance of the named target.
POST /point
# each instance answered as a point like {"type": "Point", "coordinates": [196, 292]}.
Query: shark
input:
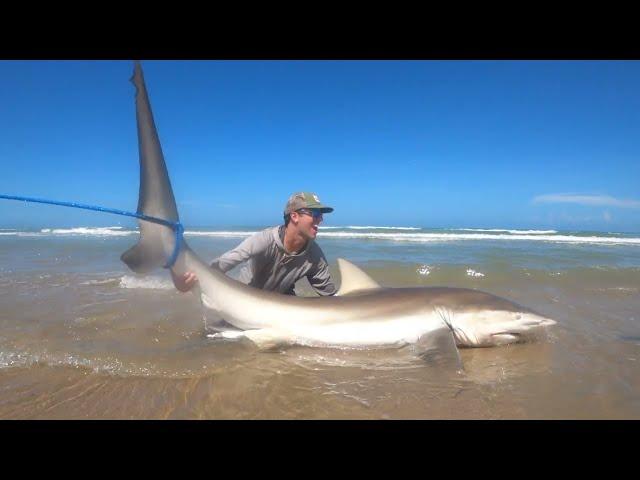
{"type": "Point", "coordinates": [363, 314]}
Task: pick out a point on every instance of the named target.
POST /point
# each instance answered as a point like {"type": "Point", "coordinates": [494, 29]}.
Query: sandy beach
{"type": "Point", "coordinates": [82, 337]}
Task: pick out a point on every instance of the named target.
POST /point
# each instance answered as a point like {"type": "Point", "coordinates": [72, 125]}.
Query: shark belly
{"type": "Point", "coordinates": [391, 332]}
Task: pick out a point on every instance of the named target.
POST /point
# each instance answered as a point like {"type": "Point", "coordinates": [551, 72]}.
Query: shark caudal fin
{"type": "Point", "coordinates": [156, 198]}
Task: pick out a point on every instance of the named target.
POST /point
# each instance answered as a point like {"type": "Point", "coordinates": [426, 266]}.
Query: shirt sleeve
{"type": "Point", "coordinates": [320, 278]}
{"type": "Point", "coordinates": [251, 246]}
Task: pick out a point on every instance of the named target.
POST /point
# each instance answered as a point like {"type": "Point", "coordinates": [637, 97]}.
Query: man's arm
{"type": "Point", "coordinates": [249, 247]}
{"type": "Point", "coordinates": [320, 279]}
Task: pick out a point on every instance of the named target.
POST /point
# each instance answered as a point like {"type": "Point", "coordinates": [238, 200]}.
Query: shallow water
{"type": "Point", "coordinates": [82, 337]}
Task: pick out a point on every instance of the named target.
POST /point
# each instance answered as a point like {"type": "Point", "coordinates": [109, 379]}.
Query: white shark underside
{"type": "Point", "coordinates": [362, 314]}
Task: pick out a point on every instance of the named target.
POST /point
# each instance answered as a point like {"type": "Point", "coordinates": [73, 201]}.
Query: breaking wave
{"type": "Point", "coordinates": [116, 231]}
{"type": "Point", "coordinates": [443, 237]}
{"type": "Point", "coordinates": [218, 233]}
{"type": "Point", "coordinates": [497, 230]}
{"type": "Point", "coordinates": [395, 234]}
{"type": "Point", "coordinates": [355, 227]}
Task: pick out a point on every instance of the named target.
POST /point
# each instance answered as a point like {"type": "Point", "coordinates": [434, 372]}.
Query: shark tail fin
{"type": "Point", "coordinates": [155, 199]}
{"type": "Point", "coordinates": [152, 250]}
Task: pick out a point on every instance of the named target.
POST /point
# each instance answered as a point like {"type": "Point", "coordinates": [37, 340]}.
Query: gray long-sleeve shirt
{"type": "Point", "coordinates": [270, 267]}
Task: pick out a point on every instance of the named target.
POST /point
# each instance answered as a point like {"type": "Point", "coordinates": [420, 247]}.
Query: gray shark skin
{"type": "Point", "coordinates": [361, 315]}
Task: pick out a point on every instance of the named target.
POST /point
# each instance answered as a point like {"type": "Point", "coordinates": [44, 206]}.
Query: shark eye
{"type": "Point", "coordinates": [518, 316]}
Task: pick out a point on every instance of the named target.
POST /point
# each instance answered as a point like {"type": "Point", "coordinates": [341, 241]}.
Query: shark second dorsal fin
{"type": "Point", "coordinates": [354, 279]}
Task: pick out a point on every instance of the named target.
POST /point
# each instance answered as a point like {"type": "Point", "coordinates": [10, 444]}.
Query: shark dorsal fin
{"type": "Point", "coordinates": [354, 279]}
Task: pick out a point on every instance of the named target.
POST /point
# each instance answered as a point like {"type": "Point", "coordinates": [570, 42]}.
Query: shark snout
{"type": "Point", "coordinates": [498, 327]}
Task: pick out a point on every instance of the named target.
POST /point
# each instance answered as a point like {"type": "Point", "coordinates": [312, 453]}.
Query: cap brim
{"type": "Point", "coordinates": [322, 208]}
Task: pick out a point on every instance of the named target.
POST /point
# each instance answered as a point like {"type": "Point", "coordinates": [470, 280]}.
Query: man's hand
{"type": "Point", "coordinates": [185, 282]}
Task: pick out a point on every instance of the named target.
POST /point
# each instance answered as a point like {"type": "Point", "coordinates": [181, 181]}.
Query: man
{"type": "Point", "coordinates": [280, 256]}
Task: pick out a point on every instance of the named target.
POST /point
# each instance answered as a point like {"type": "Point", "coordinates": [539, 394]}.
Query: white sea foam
{"type": "Point", "coordinates": [104, 281]}
{"type": "Point", "coordinates": [396, 236]}
{"type": "Point", "coordinates": [116, 232]}
{"type": "Point", "coordinates": [22, 234]}
{"type": "Point", "coordinates": [443, 237]}
{"type": "Point", "coordinates": [102, 231]}
{"type": "Point", "coordinates": [525, 232]}
{"type": "Point", "coordinates": [150, 283]}
{"type": "Point", "coordinates": [473, 273]}
{"type": "Point", "coordinates": [355, 227]}
{"type": "Point", "coordinates": [617, 289]}
{"type": "Point", "coordinates": [218, 234]}
{"type": "Point", "coordinates": [12, 359]}
{"type": "Point", "coordinates": [424, 270]}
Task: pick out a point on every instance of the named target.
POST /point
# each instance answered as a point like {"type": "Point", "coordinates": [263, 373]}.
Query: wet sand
{"type": "Point", "coordinates": [92, 349]}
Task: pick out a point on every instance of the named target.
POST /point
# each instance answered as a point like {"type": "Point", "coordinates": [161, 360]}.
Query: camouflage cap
{"type": "Point", "coordinates": [305, 200]}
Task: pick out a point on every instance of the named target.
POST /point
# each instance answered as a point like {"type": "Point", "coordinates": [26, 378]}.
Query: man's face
{"type": "Point", "coordinates": [308, 222]}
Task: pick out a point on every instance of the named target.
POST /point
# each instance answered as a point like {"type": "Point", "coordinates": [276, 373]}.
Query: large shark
{"type": "Point", "coordinates": [362, 314]}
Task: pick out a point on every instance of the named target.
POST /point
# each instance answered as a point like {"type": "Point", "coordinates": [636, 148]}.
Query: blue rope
{"type": "Point", "coordinates": [176, 226]}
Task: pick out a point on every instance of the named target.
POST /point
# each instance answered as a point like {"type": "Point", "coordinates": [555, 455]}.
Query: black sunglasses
{"type": "Point", "coordinates": [312, 212]}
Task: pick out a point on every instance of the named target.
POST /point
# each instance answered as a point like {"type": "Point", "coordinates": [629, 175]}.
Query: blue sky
{"type": "Point", "coordinates": [513, 144]}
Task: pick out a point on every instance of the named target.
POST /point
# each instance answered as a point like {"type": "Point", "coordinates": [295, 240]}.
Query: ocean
{"type": "Point", "coordinates": [81, 336]}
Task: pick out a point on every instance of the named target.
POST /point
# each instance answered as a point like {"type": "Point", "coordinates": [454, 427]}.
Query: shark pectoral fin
{"type": "Point", "coordinates": [439, 347]}
{"type": "Point", "coordinates": [354, 279]}
{"type": "Point", "coordinates": [268, 338]}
